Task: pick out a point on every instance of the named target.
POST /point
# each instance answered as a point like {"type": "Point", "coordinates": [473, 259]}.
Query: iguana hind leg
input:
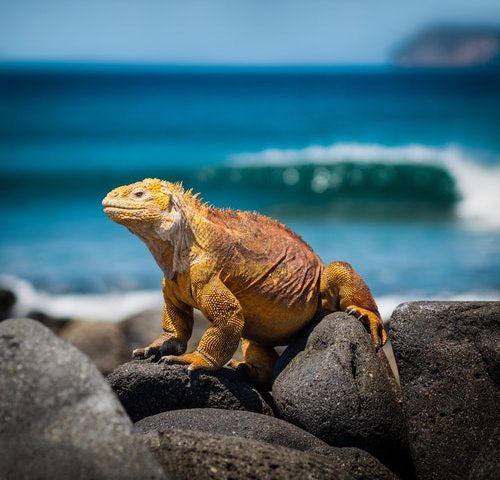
{"type": "Point", "coordinates": [343, 289]}
{"type": "Point", "coordinates": [258, 364]}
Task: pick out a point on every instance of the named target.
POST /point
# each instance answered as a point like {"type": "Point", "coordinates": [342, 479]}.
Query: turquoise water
{"type": "Point", "coordinates": [397, 172]}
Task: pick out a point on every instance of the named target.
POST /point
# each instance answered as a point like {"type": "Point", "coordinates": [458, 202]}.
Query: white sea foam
{"type": "Point", "coordinates": [113, 306]}
{"type": "Point", "coordinates": [387, 303]}
{"type": "Point", "coordinates": [119, 305]}
{"type": "Point", "coordinates": [477, 183]}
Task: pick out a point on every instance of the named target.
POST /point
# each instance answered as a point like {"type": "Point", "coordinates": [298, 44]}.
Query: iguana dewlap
{"type": "Point", "coordinates": [252, 277]}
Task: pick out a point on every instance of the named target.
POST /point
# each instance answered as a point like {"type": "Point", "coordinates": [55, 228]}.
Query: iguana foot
{"type": "Point", "coordinates": [244, 367]}
{"type": "Point", "coordinates": [257, 374]}
{"type": "Point", "coordinates": [372, 322]}
{"type": "Point", "coordinates": [195, 360]}
{"type": "Point", "coordinates": [258, 364]}
{"type": "Point", "coordinates": [163, 345]}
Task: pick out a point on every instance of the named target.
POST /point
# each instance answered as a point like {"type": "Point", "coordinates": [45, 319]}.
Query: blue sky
{"type": "Point", "coordinates": [224, 31]}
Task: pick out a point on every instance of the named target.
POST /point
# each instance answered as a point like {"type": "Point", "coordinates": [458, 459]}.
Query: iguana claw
{"type": "Point", "coordinates": [163, 345]}
{"type": "Point", "coordinates": [195, 360]}
{"type": "Point", "coordinates": [372, 322]}
{"type": "Point", "coordinates": [147, 352]}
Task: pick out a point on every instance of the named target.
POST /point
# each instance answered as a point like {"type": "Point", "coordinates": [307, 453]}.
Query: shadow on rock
{"type": "Point", "coordinates": [254, 426]}
{"type": "Point", "coordinates": [191, 454]}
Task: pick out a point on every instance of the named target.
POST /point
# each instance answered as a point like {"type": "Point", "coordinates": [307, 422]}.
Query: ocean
{"type": "Point", "coordinates": [395, 171]}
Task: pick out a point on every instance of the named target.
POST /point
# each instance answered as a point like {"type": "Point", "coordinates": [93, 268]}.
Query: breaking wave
{"type": "Point", "coordinates": [351, 179]}
{"type": "Point", "coordinates": [444, 177]}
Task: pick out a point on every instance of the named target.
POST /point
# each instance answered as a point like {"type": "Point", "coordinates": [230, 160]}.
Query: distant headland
{"type": "Point", "coordinates": [451, 47]}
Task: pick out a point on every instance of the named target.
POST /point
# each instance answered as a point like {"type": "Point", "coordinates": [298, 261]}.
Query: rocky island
{"type": "Point", "coordinates": [451, 47]}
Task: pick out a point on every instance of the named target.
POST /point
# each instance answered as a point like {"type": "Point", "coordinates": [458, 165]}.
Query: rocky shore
{"type": "Point", "coordinates": [335, 409]}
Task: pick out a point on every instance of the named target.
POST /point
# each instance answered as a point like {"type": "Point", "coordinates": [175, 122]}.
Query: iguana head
{"type": "Point", "coordinates": [151, 208]}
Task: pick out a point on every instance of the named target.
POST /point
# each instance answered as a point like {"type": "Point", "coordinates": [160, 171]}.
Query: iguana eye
{"type": "Point", "coordinates": [138, 193]}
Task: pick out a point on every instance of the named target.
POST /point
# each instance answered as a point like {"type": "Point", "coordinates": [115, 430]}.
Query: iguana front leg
{"type": "Point", "coordinates": [342, 288]}
{"type": "Point", "coordinates": [220, 340]}
{"type": "Point", "coordinates": [177, 325]}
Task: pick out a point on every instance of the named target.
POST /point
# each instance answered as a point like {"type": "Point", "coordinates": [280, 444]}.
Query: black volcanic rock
{"type": "Point", "coordinates": [236, 423]}
{"type": "Point", "coordinates": [255, 426]}
{"type": "Point", "coordinates": [7, 301]}
{"type": "Point", "coordinates": [58, 416]}
{"type": "Point", "coordinates": [192, 455]}
{"type": "Point", "coordinates": [146, 388]}
{"type": "Point", "coordinates": [448, 354]}
{"type": "Point", "coordinates": [332, 384]}
{"type": "Point", "coordinates": [486, 466]}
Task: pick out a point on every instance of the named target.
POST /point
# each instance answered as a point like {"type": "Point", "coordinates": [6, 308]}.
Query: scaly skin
{"type": "Point", "coordinates": [253, 278]}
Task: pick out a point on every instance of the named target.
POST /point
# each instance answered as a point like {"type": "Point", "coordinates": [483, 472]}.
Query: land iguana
{"type": "Point", "coordinates": [254, 279]}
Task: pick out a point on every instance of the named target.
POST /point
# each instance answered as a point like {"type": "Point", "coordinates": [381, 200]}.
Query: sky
{"type": "Point", "coordinates": [224, 31]}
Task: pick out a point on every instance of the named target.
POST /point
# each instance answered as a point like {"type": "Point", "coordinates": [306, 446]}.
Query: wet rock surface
{"type": "Point", "coordinates": [331, 383]}
{"type": "Point", "coordinates": [58, 416]}
{"type": "Point", "coordinates": [146, 388]}
{"type": "Point", "coordinates": [448, 354]}
{"type": "Point", "coordinates": [254, 426]}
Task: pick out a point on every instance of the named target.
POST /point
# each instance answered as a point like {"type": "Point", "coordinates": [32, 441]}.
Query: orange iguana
{"type": "Point", "coordinates": [253, 278]}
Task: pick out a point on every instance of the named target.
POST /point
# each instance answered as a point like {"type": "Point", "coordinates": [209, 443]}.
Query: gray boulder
{"type": "Point", "coordinates": [187, 455]}
{"type": "Point", "coordinates": [146, 388]}
{"type": "Point", "coordinates": [109, 344]}
{"type": "Point", "coordinates": [331, 383]}
{"type": "Point", "coordinates": [255, 426]}
{"type": "Point", "coordinates": [448, 354]}
{"type": "Point", "coordinates": [103, 342]}
{"type": "Point", "coordinates": [58, 417]}
{"type": "Point", "coordinates": [141, 329]}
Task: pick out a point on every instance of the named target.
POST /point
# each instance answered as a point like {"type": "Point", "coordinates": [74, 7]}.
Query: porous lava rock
{"type": "Point", "coordinates": [255, 426]}
{"type": "Point", "coordinates": [331, 383]}
{"type": "Point", "coordinates": [448, 354]}
{"type": "Point", "coordinates": [146, 388]}
{"type": "Point", "coordinates": [186, 455]}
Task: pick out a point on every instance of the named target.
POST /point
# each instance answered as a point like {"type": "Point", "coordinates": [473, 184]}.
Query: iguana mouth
{"type": "Point", "coordinates": [121, 207]}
